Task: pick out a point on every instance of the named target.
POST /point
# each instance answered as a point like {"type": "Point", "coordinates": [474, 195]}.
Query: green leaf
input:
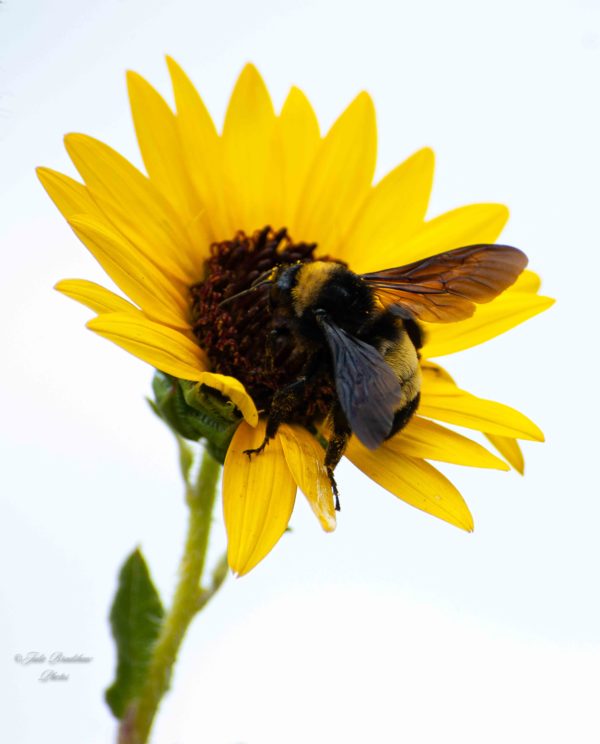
{"type": "Point", "coordinates": [135, 617]}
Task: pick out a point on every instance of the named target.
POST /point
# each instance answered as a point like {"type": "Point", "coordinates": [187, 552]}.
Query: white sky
{"type": "Point", "coordinates": [396, 628]}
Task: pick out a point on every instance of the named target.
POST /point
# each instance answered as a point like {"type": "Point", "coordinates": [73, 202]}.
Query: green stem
{"type": "Point", "coordinates": [189, 598]}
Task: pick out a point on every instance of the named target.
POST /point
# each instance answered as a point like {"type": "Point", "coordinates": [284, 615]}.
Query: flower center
{"type": "Point", "coordinates": [243, 338]}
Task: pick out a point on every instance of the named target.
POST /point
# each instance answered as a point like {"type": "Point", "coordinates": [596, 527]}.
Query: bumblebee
{"type": "Point", "coordinates": [361, 332]}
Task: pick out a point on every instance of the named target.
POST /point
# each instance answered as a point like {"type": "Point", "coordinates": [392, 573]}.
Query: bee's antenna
{"type": "Point", "coordinates": [267, 277]}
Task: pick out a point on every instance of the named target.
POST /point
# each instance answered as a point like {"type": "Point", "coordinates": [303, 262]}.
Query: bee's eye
{"type": "Point", "coordinates": [287, 279]}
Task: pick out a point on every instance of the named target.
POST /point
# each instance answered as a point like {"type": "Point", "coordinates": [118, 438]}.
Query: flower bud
{"type": "Point", "coordinates": [196, 411]}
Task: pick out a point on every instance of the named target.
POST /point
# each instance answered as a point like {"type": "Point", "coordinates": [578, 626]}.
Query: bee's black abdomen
{"type": "Point", "coordinates": [404, 415]}
{"type": "Point", "coordinates": [380, 330]}
{"type": "Point", "coordinates": [413, 329]}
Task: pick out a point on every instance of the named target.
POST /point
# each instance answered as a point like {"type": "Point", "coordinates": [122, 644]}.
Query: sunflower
{"type": "Point", "coordinates": [215, 211]}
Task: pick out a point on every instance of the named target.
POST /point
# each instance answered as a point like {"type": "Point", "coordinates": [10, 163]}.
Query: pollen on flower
{"type": "Point", "coordinates": [243, 338]}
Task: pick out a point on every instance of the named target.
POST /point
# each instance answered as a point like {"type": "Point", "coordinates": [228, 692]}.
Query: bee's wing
{"type": "Point", "coordinates": [444, 288]}
{"type": "Point", "coordinates": [367, 388]}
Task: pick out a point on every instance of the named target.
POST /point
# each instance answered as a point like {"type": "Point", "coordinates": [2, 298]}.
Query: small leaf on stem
{"type": "Point", "coordinates": [136, 618]}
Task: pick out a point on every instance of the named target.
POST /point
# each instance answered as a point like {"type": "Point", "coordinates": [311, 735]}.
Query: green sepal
{"type": "Point", "coordinates": [135, 618]}
{"type": "Point", "coordinates": [196, 411]}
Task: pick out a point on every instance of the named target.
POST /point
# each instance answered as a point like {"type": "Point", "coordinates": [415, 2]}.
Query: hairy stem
{"type": "Point", "coordinates": [189, 598]}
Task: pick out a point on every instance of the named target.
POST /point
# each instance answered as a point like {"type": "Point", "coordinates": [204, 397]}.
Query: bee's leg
{"type": "Point", "coordinates": [336, 447]}
{"type": "Point", "coordinates": [272, 338]}
{"type": "Point", "coordinates": [269, 353]}
{"type": "Point", "coordinates": [284, 405]}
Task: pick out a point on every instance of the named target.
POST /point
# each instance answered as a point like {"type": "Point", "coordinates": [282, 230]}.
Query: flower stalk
{"type": "Point", "coordinates": [189, 597]}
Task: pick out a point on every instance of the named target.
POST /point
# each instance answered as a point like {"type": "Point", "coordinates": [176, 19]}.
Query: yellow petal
{"type": "Point", "coordinates": [70, 196]}
{"type": "Point", "coordinates": [202, 152]}
{"type": "Point", "coordinates": [414, 481]}
{"type": "Point", "coordinates": [393, 211]}
{"type": "Point", "coordinates": [158, 138]}
{"type": "Point", "coordinates": [489, 321]}
{"type": "Point", "coordinates": [74, 199]}
{"type": "Point", "coordinates": [509, 448]}
{"type": "Point", "coordinates": [135, 207]}
{"type": "Point", "coordinates": [97, 298]}
{"type": "Point", "coordinates": [340, 177]}
{"type": "Point", "coordinates": [235, 391]}
{"type": "Point", "coordinates": [299, 133]}
{"type": "Point", "coordinates": [248, 137]}
{"type": "Point", "coordinates": [427, 440]}
{"type": "Point", "coordinates": [475, 223]}
{"type": "Point", "coordinates": [528, 281]}
{"type": "Point", "coordinates": [164, 348]}
{"type": "Point", "coordinates": [437, 376]}
{"type": "Point", "coordinates": [305, 459]}
{"type": "Point", "coordinates": [443, 401]}
{"type": "Point", "coordinates": [133, 273]}
{"type": "Point", "coordinates": [258, 497]}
